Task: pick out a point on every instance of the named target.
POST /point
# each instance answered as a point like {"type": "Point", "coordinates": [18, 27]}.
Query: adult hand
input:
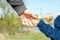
{"type": "Point", "coordinates": [28, 18]}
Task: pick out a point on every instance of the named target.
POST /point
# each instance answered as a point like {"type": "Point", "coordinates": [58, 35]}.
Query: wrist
{"type": "Point", "coordinates": [24, 12]}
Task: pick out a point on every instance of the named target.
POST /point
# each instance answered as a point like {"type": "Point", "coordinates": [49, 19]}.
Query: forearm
{"type": "Point", "coordinates": [18, 5]}
{"type": "Point", "coordinates": [46, 29]}
{"type": "Point", "coordinates": [15, 2]}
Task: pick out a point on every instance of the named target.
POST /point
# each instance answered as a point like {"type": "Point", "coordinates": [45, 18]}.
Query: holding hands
{"type": "Point", "coordinates": [28, 18]}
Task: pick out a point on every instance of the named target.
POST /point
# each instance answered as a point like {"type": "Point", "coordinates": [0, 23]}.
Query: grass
{"type": "Point", "coordinates": [28, 36]}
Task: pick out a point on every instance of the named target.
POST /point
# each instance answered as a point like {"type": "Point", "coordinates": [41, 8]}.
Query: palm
{"type": "Point", "coordinates": [28, 19]}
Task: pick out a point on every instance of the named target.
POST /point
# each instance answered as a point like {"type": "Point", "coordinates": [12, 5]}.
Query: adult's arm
{"type": "Point", "coordinates": [18, 5]}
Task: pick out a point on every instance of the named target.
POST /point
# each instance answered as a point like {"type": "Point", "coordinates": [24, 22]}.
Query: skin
{"type": "Point", "coordinates": [28, 18]}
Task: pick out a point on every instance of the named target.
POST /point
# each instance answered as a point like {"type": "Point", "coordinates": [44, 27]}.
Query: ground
{"type": "Point", "coordinates": [27, 36]}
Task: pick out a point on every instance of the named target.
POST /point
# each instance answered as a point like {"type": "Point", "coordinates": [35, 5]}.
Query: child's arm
{"type": "Point", "coordinates": [46, 29]}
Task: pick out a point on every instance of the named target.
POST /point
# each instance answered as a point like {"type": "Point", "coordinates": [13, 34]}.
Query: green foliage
{"type": "Point", "coordinates": [29, 36]}
{"type": "Point", "coordinates": [10, 23]}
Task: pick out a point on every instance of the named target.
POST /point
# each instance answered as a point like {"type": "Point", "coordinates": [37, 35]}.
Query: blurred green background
{"type": "Point", "coordinates": [10, 25]}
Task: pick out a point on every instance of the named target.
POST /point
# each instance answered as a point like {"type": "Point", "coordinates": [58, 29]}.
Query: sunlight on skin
{"type": "Point", "coordinates": [28, 18]}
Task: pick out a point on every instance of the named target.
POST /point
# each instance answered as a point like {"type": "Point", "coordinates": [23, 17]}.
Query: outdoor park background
{"type": "Point", "coordinates": [11, 27]}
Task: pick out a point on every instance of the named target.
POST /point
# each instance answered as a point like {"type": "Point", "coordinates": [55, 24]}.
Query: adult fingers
{"type": "Point", "coordinates": [34, 22]}
{"type": "Point", "coordinates": [27, 22]}
{"type": "Point", "coordinates": [33, 16]}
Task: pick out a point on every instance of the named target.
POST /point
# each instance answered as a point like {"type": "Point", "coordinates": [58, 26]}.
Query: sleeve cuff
{"type": "Point", "coordinates": [20, 9]}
